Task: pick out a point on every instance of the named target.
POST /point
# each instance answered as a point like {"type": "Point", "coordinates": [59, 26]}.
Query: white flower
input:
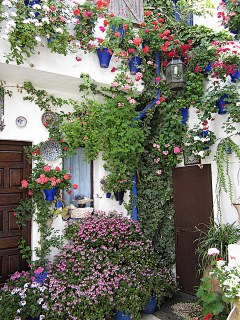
{"type": "Point", "coordinates": [220, 263]}
{"type": "Point", "coordinates": [44, 306]}
{"type": "Point", "coordinates": [13, 14]}
{"type": "Point", "coordinates": [201, 153]}
{"type": "Point", "coordinates": [7, 3]}
{"type": "Point", "coordinates": [5, 15]}
{"type": "Point", "coordinates": [59, 30]}
{"type": "Point", "coordinates": [32, 13]}
{"type": "Point", "coordinates": [38, 39]}
{"type": "Point", "coordinates": [36, 6]}
{"type": "Point", "coordinates": [18, 310]}
{"type": "Point", "coordinates": [45, 7]}
{"type": "Point", "coordinates": [18, 48]}
{"type": "Point", "coordinates": [196, 138]}
{"type": "Point", "coordinates": [26, 20]}
{"type": "Point", "coordinates": [38, 24]}
{"type": "Point", "coordinates": [41, 317]}
{"type": "Point", "coordinates": [40, 300]}
{"type": "Point", "coordinates": [212, 251]}
{"type": "Point", "coordinates": [23, 303]}
{"type": "Point", "coordinates": [45, 19]}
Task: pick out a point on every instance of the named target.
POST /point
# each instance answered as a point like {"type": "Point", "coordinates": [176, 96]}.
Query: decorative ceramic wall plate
{"type": "Point", "coordinates": [48, 118]}
{"type": "Point", "coordinates": [50, 150]}
{"type": "Point", "coordinates": [21, 122]}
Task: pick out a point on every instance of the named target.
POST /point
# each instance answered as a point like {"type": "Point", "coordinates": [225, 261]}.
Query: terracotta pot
{"type": "Point", "coordinates": [214, 281]}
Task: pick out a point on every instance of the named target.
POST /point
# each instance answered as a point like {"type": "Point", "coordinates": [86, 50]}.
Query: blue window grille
{"type": "Point", "coordinates": [189, 21]}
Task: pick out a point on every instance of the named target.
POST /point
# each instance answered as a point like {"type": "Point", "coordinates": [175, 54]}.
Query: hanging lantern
{"type": "Point", "coordinates": [175, 75]}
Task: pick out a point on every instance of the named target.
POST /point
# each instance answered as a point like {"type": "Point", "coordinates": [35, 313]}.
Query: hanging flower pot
{"type": "Point", "coordinates": [151, 305]}
{"type": "Point", "coordinates": [120, 31]}
{"type": "Point", "coordinates": [221, 103]}
{"type": "Point", "coordinates": [31, 3]}
{"type": "Point", "coordinates": [208, 68]}
{"type": "Point", "coordinates": [108, 195]}
{"type": "Point", "coordinates": [236, 75]}
{"type": "Point", "coordinates": [58, 204]}
{"type": "Point", "coordinates": [119, 195]}
{"type": "Point", "coordinates": [104, 57]}
{"type": "Point", "coordinates": [50, 194]}
{"type": "Point", "coordinates": [123, 316]}
{"type": "Point", "coordinates": [134, 63]}
{"type": "Point", "coordinates": [184, 115]}
{"type": "Point", "coordinates": [235, 32]}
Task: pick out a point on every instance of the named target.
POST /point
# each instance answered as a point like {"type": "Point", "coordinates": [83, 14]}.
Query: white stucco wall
{"type": "Point", "coordinates": [59, 75]}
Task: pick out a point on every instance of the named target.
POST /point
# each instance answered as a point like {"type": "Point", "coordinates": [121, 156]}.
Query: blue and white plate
{"type": "Point", "coordinates": [21, 122]}
{"type": "Point", "coordinates": [51, 150]}
{"type": "Point", "coordinates": [49, 117]}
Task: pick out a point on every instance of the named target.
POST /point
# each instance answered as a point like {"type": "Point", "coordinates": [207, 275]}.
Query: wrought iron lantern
{"type": "Point", "coordinates": [175, 75]}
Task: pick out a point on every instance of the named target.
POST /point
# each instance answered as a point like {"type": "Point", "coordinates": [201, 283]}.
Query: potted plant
{"type": "Point", "coordinates": [48, 179]}
{"type": "Point", "coordinates": [230, 16]}
{"type": "Point", "coordinates": [81, 200]}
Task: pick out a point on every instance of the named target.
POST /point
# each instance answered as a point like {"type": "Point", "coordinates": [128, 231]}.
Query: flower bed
{"type": "Point", "coordinates": [109, 265]}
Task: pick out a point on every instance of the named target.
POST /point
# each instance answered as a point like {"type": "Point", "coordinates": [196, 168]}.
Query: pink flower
{"type": "Point", "coordinates": [57, 169]}
{"type": "Point", "coordinates": [150, 62]}
{"type": "Point", "coordinates": [52, 179]}
{"type": "Point", "coordinates": [158, 102]}
{"type": "Point", "coordinates": [58, 181]}
{"type": "Point", "coordinates": [30, 192]}
{"type": "Point", "coordinates": [42, 176]}
{"type": "Point", "coordinates": [165, 153]}
{"type": "Point", "coordinates": [39, 270]}
{"type": "Point", "coordinates": [62, 18]}
{"type": "Point", "coordinates": [126, 87]}
{"type": "Point", "coordinates": [114, 84]}
{"type": "Point", "coordinates": [75, 186]}
{"type": "Point", "coordinates": [53, 183]}
{"type": "Point", "coordinates": [38, 180]}
{"type": "Point", "coordinates": [159, 171]}
{"type": "Point", "coordinates": [102, 28]}
{"type": "Point", "coordinates": [66, 177]}
{"type": "Point", "coordinates": [46, 168]}
{"type": "Point", "coordinates": [176, 150]}
{"type": "Point", "coordinates": [158, 79]}
{"type": "Point", "coordinates": [116, 58]}
{"type": "Point", "coordinates": [154, 145]}
{"type": "Point", "coordinates": [131, 50]}
{"type": "Point", "coordinates": [24, 183]}
{"type": "Point", "coordinates": [85, 138]}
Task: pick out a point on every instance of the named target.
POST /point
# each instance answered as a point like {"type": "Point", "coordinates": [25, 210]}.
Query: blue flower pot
{"type": "Point", "coordinates": [184, 115]}
{"type": "Point", "coordinates": [31, 3]}
{"type": "Point", "coordinates": [104, 57]}
{"type": "Point", "coordinates": [120, 31]}
{"type": "Point", "coordinates": [134, 63]}
{"type": "Point", "coordinates": [151, 305]}
{"type": "Point", "coordinates": [108, 195]}
{"type": "Point", "coordinates": [50, 194]}
{"type": "Point", "coordinates": [123, 316]}
{"type": "Point", "coordinates": [58, 204]}
{"type": "Point", "coordinates": [119, 195]}
{"type": "Point", "coordinates": [220, 103]}
{"type": "Point", "coordinates": [208, 68]}
{"type": "Point", "coordinates": [235, 76]}
{"type": "Point", "coordinates": [235, 32]}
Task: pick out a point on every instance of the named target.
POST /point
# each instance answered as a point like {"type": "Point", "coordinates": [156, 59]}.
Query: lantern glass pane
{"type": "Point", "coordinates": [177, 73]}
{"type": "Point", "coordinates": [169, 74]}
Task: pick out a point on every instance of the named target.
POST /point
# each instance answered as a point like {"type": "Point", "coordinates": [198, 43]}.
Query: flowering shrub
{"type": "Point", "coordinates": [230, 16]}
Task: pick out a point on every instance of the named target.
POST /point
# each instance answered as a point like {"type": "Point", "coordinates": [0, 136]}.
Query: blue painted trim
{"type": "Point", "coordinates": [142, 113]}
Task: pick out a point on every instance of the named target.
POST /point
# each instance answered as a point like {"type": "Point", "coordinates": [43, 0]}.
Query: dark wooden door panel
{"type": "Point", "coordinates": [14, 167]}
{"type": "Point", "coordinates": [192, 192]}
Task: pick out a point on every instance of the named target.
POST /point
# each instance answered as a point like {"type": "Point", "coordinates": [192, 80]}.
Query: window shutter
{"type": "Point", "coordinates": [128, 9]}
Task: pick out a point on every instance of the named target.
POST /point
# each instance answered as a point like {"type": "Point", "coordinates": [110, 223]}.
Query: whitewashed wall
{"type": "Point", "coordinates": [60, 75]}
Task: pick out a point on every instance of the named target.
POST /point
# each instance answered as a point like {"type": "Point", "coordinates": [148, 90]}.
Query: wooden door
{"type": "Point", "coordinates": [14, 167]}
{"type": "Point", "coordinates": [192, 193]}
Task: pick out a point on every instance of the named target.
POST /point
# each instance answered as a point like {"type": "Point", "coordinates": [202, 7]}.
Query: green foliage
{"type": "Point", "coordinates": [212, 302]}
{"type": "Point", "coordinates": [215, 235]}
{"type": "Point", "coordinates": [225, 147]}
